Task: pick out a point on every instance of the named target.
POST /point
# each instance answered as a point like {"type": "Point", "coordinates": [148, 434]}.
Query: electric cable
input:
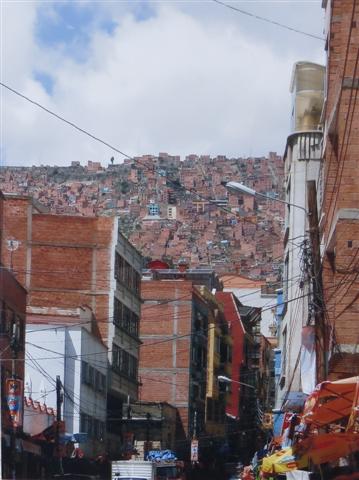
{"type": "Point", "coordinates": [267, 20]}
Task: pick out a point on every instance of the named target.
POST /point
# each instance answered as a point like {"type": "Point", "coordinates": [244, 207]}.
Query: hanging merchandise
{"type": "Point", "coordinates": [14, 397]}
{"type": "Point", "coordinates": [308, 360]}
{"type": "Point", "coordinates": [284, 461]}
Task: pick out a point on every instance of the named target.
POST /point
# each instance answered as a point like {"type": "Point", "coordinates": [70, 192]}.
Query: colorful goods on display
{"type": "Point", "coordinates": [325, 432]}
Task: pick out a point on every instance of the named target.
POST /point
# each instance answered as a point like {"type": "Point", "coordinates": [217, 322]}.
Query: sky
{"type": "Point", "coordinates": [149, 76]}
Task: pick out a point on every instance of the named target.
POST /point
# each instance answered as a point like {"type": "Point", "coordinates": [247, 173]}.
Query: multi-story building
{"type": "Point", "coordinates": [300, 283]}
{"type": "Point", "coordinates": [12, 347]}
{"type": "Point", "coordinates": [66, 262]}
{"type": "Point", "coordinates": [339, 193]}
{"type": "Point", "coordinates": [67, 344]}
{"type": "Point", "coordinates": [184, 349]}
{"type": "Point", "coordinates": [249, 406]}
{"type": "Point", "coordinates": [148, 426]}
{"type": "Point", "coordinates": [256, 293]}
{"type": "Point", "coordinates": [124, 332]}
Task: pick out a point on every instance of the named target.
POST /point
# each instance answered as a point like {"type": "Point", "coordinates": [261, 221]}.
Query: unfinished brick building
{"type": "Point", "coordinates": [66, 262]}
{"type": "Point", "coordinates": [180, 359]}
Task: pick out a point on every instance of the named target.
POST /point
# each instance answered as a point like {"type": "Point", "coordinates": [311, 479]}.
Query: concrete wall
{"type": "Point", "coordinates": [69, 346]}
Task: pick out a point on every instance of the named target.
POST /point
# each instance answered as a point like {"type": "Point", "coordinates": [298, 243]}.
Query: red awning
{"type": "Point", "coordinates": [328, 447]}
{"type": "Point", "coordinates": [330, 401]}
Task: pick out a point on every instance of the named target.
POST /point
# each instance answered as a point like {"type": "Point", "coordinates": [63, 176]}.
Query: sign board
{"type": "Point", "coordinates": [14, 399]}
{"type": "Point", "coordinates": [295, 402]}
{"type": "Point", "coordinates": [194, 451]}
{"type": "Point", "coordinates": [267, 423]}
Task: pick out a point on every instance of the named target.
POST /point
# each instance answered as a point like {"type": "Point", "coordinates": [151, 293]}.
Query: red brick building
{"type": "Point", "coordinates": [339, 192]}
{"type": "Point", "coordinates": [165, 365]}
{"type": "Point", "coordinates": [12, 351]}
{"type": "Point", "coordinates": [61, 260]}
{"type": "Point", "coordinates": [181, 357]}
{"type": "Point", "coordinates": [66, 262]}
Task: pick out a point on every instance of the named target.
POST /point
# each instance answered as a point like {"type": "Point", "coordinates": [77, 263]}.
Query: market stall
{"type": "Point", "coordinates": [323, 438]}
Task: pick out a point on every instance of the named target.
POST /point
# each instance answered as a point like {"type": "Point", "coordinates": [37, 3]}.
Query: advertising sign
{"type": "Point", "coordinates": [14, 398]}
{"type": "Point", "coordinates": [194, 451]}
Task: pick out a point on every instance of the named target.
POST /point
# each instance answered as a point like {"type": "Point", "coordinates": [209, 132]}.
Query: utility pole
{"type": "Point", "coordinates": [15, 347]}
{"type": "Point", "coordinates": [1, 390]}
{"type": "Point", "coordinates": [194, 442]}
{"type": "Point", "coordinates": [148, 418]}
{"type": "Point", "coordinates": [58, 421]}
{"type": "Point", "coordinates": [195, 425]}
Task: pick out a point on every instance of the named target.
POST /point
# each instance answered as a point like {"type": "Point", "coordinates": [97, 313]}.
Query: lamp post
{"type": "Point", "coordinates": [245, 421]}
{"type": "Point", "coordinates": [243, 189]}
{"type": "Point", "coordinates": [222, 378]}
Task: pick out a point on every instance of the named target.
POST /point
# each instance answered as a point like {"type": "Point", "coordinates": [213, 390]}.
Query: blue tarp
{"type": "Point", "coordinates": [280, 305]}
{"type": "Point", "coordinates": [73, 437]}
{"type": "Point", "coordinates": [160, 456]}
{"type": "Point", "coordinates": [277, 362]}
{"type": "Point", "coordinates": [278, 418]}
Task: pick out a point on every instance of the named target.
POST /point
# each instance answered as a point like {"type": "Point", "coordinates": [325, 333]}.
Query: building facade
{"type": "Point", "coordinates": [124, 326]}
{"type": "Point", "coordinates": [12, 347]}
{"type": "Point", "coordinates": [300, 283]}
{"type": "Point", "coordinates": [68, 345]}
{"type": "Point", "coordinates": [183, 350]}
{"type": "Point", "coordinates": [67, 262]}
{"type": "Point", "coordinates": [339, 193]}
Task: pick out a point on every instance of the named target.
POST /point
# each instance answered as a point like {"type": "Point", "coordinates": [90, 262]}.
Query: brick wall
{"type": "Point", "coordinates": [341, 186]}
{"type": "Point", "coordinates": [164, 363]}
{"type": "Point", "coordinates": [63, 261]}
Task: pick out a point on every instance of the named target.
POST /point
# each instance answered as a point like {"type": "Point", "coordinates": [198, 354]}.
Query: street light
{"type": "Point", "coordinates": [222, 378]}
{"type": "Point", "coordinates": [243, 189]}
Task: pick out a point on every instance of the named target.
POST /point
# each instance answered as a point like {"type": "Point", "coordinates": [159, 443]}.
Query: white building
{"type": "Point", "coordinates": [66, 344]}
{"type": "Point", "coordinates": [302, 163]}
{"type": "Point", "coordinates": [254, 293]}
{"type": "Point", "coordinates": [171, 212]}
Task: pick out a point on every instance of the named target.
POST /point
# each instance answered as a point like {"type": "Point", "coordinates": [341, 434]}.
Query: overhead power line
{"type": "Point", "coordinates": [267, 20]}
{"type": "Point", "coordinates": [59, 117]}
{"type": "Point", "coordinates": [191, 191]}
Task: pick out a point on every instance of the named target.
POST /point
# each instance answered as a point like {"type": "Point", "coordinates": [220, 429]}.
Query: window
{"type": "Point", "coordinates": [117, 312]}
{"type": "Point", "coordinates": [83, 423]}
{"type": "Point", "coordinates": [84, 372]}
{"type": "Point", "coordinates": [92, 426]}
{"type": "Point", "coordinates": [133, 366]}
{"type": "Point", "coordinates": [124, 318]}
{"type": "Point", "coordinates": [119, 268]}
{"type": "Point", "coordinates": [286, 279]}
{"type": "Point", "coordinates": [89, 425]}
{"type": "Point", "coordinates": [101, 384]}
{"type": "Point", "coordinates": [91, 375]}
{"type": "Point", "coordinates": [124, 363]}
{"type": "Point", "coordinates": [284, 356]}
{"type": "Point", "coordinates": [7, 318]}
{"type": "Point", "coordinates": [126, 274]}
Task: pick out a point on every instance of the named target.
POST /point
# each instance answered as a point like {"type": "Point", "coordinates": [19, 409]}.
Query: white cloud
{"type": "Point", "coordinates": [174, 82]}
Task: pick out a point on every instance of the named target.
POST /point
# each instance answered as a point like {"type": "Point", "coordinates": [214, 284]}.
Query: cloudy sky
{"type": "Point", "coordinates": [148, 76]}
